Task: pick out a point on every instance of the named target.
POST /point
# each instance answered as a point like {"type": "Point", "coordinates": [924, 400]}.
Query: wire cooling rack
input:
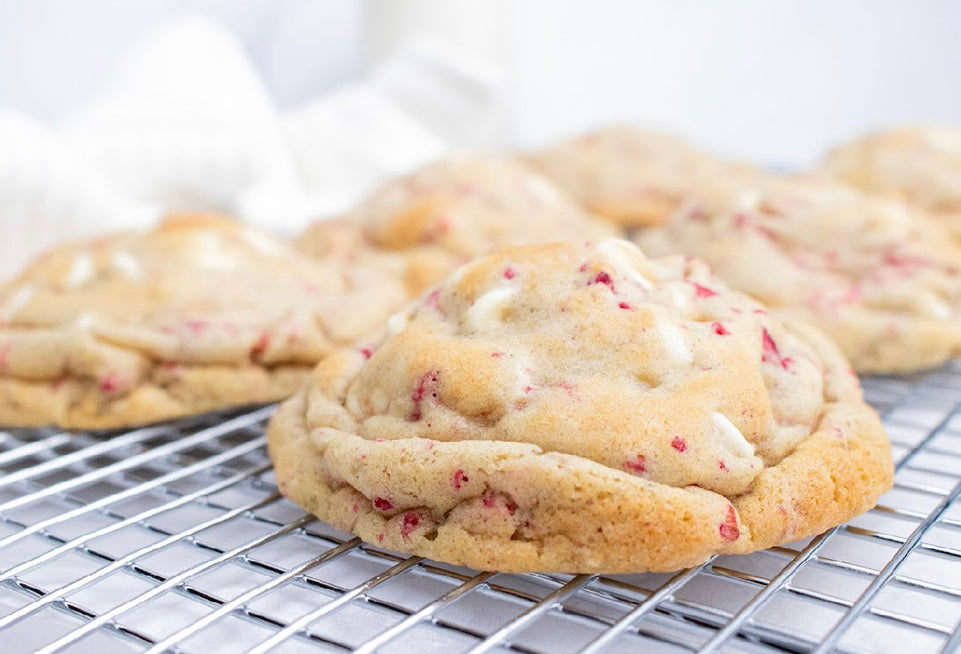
{"type": "Point", "coordinates": [173, 538]}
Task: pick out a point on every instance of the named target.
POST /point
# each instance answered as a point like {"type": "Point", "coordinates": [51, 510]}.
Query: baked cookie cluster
{"type": "Point", "coordinates": [580, 408]}
{"type": "Point", "coordinates": [197, 314]}
{"type": "Point", "coordinates": [449, 212]}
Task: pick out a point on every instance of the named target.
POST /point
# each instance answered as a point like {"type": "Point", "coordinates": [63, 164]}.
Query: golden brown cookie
{"type": "Point", "coordinates": [577, 407]}
{"type": "Point", "coordinates": [452, 211]}
{"type": "Point", "coordinates": [920, 165]}
{"type": "Point", "coordinates": [633, 176]}
{"type": "Point", "coordinates": [197, 314]}
{"type": "Point", "coordinates": [883, 281]}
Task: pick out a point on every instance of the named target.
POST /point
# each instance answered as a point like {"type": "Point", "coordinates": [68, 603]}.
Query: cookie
{"type": "Point", "coordinates": [454, 210]}
{"type": "Point", "coordinates": [920, 165]}
{"type": "Point", "coordinates": [632, 176]}
{"type": "Point", "coordinates": [199, 313]}
{"type": "Point", "coordinates": [878, 278]}
{"type": "Point", "coordinates": [578, 407]}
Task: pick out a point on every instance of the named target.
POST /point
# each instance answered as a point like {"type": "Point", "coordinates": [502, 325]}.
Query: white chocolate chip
{"type": "Point", "coordinates": [397, 322]}
{"type": "Point", "coordinates": [681, 299]}
{"type": "Point", "coordinates": [264, 243]}
{"type": "Point", "coordinates": [674, 344]}
{"type": "Point", "coordinates": [488, 310]}
{"type": "Point", "coordinates": [17, 301]}
{"type": "Point", "coordinates": [541, 191]}
{"type": "Point", "coordinates": [933, 306]}
{"type": "Point", "coordinates": [732, 436]}
{"type": "Point", "coordinates": [81, 270]}
{"type": "Point", "coordinates": [619, 252]}
{"type": "Point", "coordinates": [126, 264]}
{"type": "Point", "coordinates": [748, 200]}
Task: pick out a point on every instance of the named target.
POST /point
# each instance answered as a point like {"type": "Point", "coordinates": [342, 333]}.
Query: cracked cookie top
{"type": "Point", "coordinates": [454, 210]}
{"type": "Point", "coordinates": [634, 375]}
{"type": "Point", "coordinates": [880, 279]}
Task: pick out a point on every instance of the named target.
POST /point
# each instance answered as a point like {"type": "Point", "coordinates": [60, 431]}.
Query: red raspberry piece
{"type": "Point", "coordinates": [702, 291]}
{"type": "Point", "coordinates": [426, 384]}
{"type": "Point", "coordinates": [111, 383]}
{"type": "Point", "coordinates": [602, 278]}
{"type": "Point", "coordinates": [770, 352]}
{"type": "Point", "coordinates": [459, 479]}
{"type": "Point", "coordinates": [382, 505]}
{"type": "Point", "coordinates": [729, 529]}
{"type": "Point", "coordinates": [719, 329]}
{"type": "Point", "coordinates": [411, 520]}
{"type": "Point", "coordinates": [636, 465]}
{"type": "Point", "coordinates": [679, 444]}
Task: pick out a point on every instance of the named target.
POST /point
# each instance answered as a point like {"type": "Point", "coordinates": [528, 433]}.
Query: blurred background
{"type": "Point", "coordinates": [282, 111]}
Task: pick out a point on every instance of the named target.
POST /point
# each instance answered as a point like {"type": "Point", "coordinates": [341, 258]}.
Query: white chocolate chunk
{"type": "Point", "coordinates": [674, 344]}
{"type": "Point", "coordinates": [265, 244]}
{"type": "Point", "coordinates": [17, 301]}
{"type": "Point", "coordinates": [81, 271]}
{"type": "Point", "coordinates": [732, 436]}
{"type": "Point", "coordinates": [619, 252]}
{"type": "Point", "coordinates": [126, 264]}
{"type": "Point", "coordinates": [397, 322]}
{"type": "Point", "coordinates": [933, 306]}
{"type": "Point", "coordinates": [488, 310]}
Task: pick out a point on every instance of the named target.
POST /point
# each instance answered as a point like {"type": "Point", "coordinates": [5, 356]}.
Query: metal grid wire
{"type": "Point", "coordinates": [173, 538]}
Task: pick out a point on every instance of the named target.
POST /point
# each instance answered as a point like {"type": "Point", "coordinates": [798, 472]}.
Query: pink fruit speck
{"type": "Point", "coordinates": [426, 384]}
{"type": "Point", "coordinates": [637, 465]}
{"type": "Point", "coordinates": [261, 345]}
{"type": "Point", "coordinates": [770, 353]}
{"type": "Point", "coordinates": [624, 305]}
{"type": "Point", "coordinates": [488, 500]}
{"type": "Point", "coordinates": [702, 291]}
{"type": "Point", "coordinates": [729, 529]}
{"type": "Point", "coordinates": [111, 383]}
{"type": "Point", "coordinates": [679, 444]}
{"type": "Point", "coordinates": [602, 278]}
{"type": "Point", "coordinates": [583, 268]}
{"type": "Point", "coordinates": [380, 538]}
{"type": "Point", "coordinates": [509, 273]}
{"type": "Point", "coordinates": [459, 479]}
{"type": "Point", "coordinates": [355, 508]}
{"type": "Point", "coordinates": [379, 440]}
{"type": "Point", "coordinates": [196, 327]}
{"type": "Point", "coordinates": [697, 213]}
{"type": "Point", "coordinates": [433, 301]}
{"type": "Point", "coordinates": [382, 505]}
{"type": "Point", "coordinates": [719, 329]}
{"type": "Point", "coordinates": [720, 464]}
{"type": "Point", "coordinates": [497, 355]}
{"type": "Point", "coordinates": [411, 520]}
{"type": "Point", "coordinates": [367, 352]}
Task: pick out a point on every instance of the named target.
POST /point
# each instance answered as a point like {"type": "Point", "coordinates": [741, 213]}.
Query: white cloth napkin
{"type": "Point", "coordinates": [186, 124]}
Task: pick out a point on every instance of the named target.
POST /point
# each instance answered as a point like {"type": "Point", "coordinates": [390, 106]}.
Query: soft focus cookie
{"type": "Point", "coordinates": [579, 408]}
{"type": "Point", "coordinates": [630, 175]}
{"type": "Point", "coordinates": [197, 314]}
{"type": "Point", "coordinates": [880, 279]}
{"type": "Point", "coordinates": [920, 165]}
{"type": "Point", "coordinates": [452, 211]}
